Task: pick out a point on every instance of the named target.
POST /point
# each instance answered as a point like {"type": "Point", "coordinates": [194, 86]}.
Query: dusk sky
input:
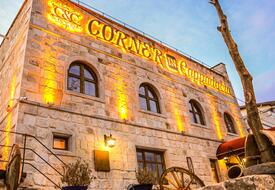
{"type": "Point", "coordinates": [191, 26]}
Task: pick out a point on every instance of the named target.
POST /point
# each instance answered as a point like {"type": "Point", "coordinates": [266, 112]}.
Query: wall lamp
{"type": "Point", "coordinates": [109, 141]}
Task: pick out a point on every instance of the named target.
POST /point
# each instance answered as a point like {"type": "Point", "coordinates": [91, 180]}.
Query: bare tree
{"type": "Point", "coordinates": [253, 117]}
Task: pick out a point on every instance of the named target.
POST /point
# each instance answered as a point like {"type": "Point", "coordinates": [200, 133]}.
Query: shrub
{"type": "Point", "coordinates": [145, 177]}
{"type": "Point", "coordinates": [77, 174]}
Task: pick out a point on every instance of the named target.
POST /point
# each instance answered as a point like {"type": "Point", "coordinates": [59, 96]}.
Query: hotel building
{"type": "Point", "coordinates": [71, 77]}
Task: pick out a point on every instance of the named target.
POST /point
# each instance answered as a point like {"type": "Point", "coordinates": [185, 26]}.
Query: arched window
{"type": "Point", "coordinates": [82, 79]}
{"type": "Point", "coordinates": [196, 112]}
{"type": "Point", "coordinates": [229, 123]}
{"type": "Point", "coordinates": [148, 99]}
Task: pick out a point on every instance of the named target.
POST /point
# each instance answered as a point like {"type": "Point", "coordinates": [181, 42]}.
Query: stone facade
{"type": "Point", "coordinates": [266, 112]}
{"type": "Point", "coordinates": [40, 62]}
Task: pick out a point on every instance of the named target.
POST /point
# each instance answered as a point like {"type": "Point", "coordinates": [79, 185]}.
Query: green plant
{"type": "Point", "coordinates": [145, 177]}
{"type": "Point", "coordinates": [77, 174]}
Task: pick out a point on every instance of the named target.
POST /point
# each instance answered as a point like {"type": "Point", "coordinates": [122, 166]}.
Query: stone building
{"type": "Point", "coordinates": [69, 77]}
{"type": "Point", "coordinates": [266, 112]}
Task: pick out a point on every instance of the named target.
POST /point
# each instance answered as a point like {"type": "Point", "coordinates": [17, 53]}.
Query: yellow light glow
{"type": "Point", "coordinates": [109, 141]}
{"type": "Point", "coordinates": [177, 116]}
{"type": "Point", "coordinates": [51, 84]}
{"type": "Point", "coordinates": [222, 167]}
{"type": "Point", "coordinates": [214, 112]}
{"type": "Point", "coordinates": [235, 111]}
{"type": "Point", "coordinates": [64, 16]}
{"type": "Point", "coordinates": [9, 121]}
{"type": "Point", "coordinates": [122, 99]}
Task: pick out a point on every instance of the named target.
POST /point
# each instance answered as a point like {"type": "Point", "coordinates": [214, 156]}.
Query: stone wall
{"type": "Point", "coordinates": [51, 108]}
{"type": "Point", "coordinates": [12, 56]}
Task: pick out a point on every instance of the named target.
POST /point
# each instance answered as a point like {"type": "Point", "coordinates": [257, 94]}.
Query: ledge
{"type": "Point", "coordinates": [200, 126]}
{"type": "Point", "coordinates": [233, 134]}
{"type": "Point", "coordinates": [153, 114]}
{"type": "Point", "coordinates": [84, 96]}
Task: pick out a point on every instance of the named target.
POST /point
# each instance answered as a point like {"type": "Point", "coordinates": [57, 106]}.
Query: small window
{"type": "Point", "coordinates": [196, 113]}
{"type": "Point", "coordinates": [60, 142]}
{"type": "Point", "coordinates": [148, 99]}
{"type": "Point", "coordinates": [151, 161]}
{"type": "Point", "coordinates": [82, 79]}
{"type": "Point", "coordinates": [214, 170]}
{"type": "Point", "coordinates": [229, 123]}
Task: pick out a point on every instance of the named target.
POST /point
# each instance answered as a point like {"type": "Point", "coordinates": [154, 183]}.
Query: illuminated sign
{"type": "Point", "coordinates": [66, 17]}
{"type": "Point", "coordinates": [130, 44]}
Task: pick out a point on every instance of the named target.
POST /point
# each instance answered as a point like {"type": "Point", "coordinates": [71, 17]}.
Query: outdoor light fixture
{"type": "Point", "coordinates": [226, 159]}
{"type": "Point", "coordinates": [109, 141]}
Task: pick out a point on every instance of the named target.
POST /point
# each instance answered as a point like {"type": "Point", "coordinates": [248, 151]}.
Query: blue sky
{"type": "Point", "coordinates": [191, 27]}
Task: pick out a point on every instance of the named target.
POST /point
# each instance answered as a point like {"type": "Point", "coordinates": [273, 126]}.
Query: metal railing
{"type": "Point", "coordinates": [25, 148]}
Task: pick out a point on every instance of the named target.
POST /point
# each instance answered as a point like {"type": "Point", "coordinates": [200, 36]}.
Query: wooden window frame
{"type": "Point", "coordinates": [229, 121]}
{"type": "Point", "coordinates": [148, 99]}
{"type": "Point", "coordinates": [194, 110]}
{"type": "Point", "coordinates": [82, 78]}
{"type": "Point", "coordinates": [145, 162]}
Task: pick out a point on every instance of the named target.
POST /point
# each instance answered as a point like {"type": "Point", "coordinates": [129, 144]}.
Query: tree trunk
{"type": "Point", "coordinates": [253, 117]}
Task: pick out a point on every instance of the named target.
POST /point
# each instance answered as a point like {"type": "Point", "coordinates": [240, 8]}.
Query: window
{"type": "Point", "coordinates": [196, 113]}
{"type": "Point", "coordinates": [60, 142]}
{"type": "Point", "coordinates": [229, 123]}
{"type": "Point", "coordinates": [82, 79]}
{"type": "Point", "coordinates": [151, 161]}
{"type": "Point", "coordinates": [148, 99]}
{"type": "Point", "coordinates": [214, 170]}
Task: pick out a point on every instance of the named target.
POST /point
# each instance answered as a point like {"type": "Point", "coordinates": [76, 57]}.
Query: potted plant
{"type": "Point", "coordinates": [146, 180]}
{"type": "Point", "coordinates": [77, 176]}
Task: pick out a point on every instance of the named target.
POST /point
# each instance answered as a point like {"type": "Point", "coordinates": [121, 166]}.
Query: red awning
{"type": "Point", "coordinates": [229, 148]}
{"type": "Point", "coordinates": [237, 146]}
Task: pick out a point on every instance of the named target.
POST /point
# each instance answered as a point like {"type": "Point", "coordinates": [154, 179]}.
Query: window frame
{"type": "Point", "coordinates": [196, 110]}
{"type": "Point", "coordinates": [63, 137]}
{"type": "Point", "coordinates": [145, 162]}
{"type": "Point", "coordinates": [147, 98]}
{"type": "Point", "coordinates": [228, 118]}
{"type": "Point", "coordinates": [82, 78]}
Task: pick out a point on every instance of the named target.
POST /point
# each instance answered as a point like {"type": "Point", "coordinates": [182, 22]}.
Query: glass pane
{"type": "Point", "coordinates": [153, 106]}
{"type": "Point", "coordinates": [139, 156]}
{"type": "Point", "coordinates": [159, 158]}
{"type": "Point", "coordinates": [142, 102]}
{"type": "Point", "coordinates": [149, 156]}
{"type": "Point", "coordinates": [88, 74]}
{"type": "Point", "coordinates": [90, 88]}
{"type": "Point", "coordinates": [150, 94]}
{"type": "Point", "coordinates": [59, 143]}
{"type": "Point", "coordinates": [140, 166]}
{"type": "Point", "coordinates": [149, 167]}
{"type": "Point", "coordinates": [75, 70]}
{"type": "Point", "coordinates": [190, 105]}
{"type": "Point", "coordinates": [142, 90]}
{"type": "Point", "coordinates": [160, 169]}
{"type": "Point", "coordinates": [192, 117]}
{"type": "Point", "coordinates": [74, 84]}
{"type": "Point", "coordinates": [198, 119]}
{"type": "Point", "coordinates": [196, 109]}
